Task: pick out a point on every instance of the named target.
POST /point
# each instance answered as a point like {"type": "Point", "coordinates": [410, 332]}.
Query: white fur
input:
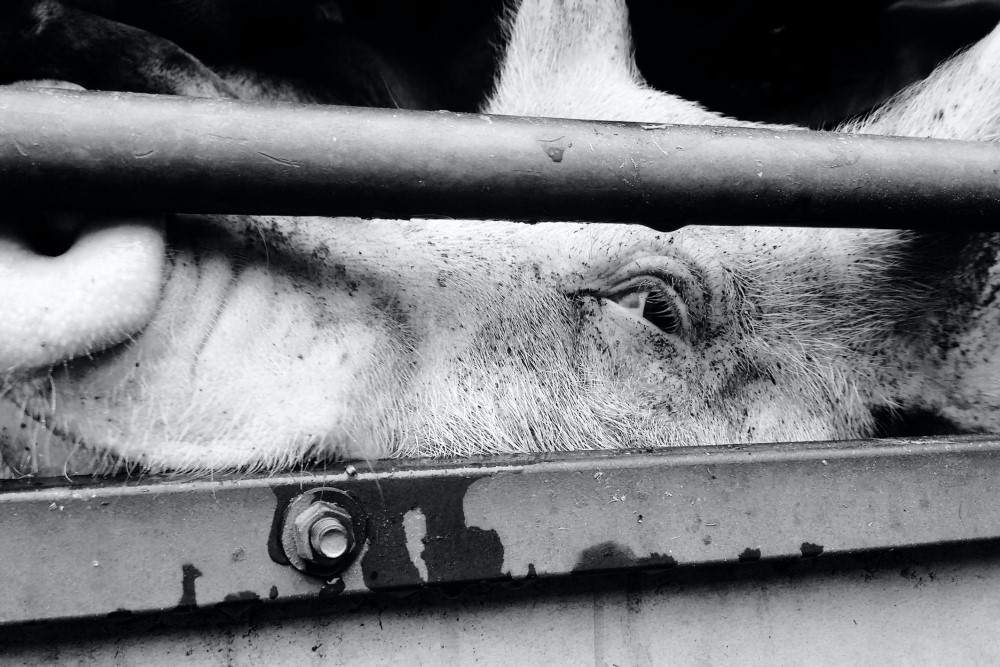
{"type": "Point", "coordinates": [279, 340]}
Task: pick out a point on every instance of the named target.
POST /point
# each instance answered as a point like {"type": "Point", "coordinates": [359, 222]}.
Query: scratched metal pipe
{"type": "Point", "coordinates": [65, 149]}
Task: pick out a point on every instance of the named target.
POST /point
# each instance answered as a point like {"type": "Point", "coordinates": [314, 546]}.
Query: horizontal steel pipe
{"type": "Point", "coordinates": [64, 149]}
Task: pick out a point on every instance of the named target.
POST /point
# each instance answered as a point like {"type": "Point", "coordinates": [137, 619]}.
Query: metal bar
{"type": "Point", "coordinates": [137, 152]}
{"type": "Point", "coordinates": [96, 548]}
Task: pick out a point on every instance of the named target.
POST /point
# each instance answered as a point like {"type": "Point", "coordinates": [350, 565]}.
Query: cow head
{"type": "Point", "coordinates": [262, 342]}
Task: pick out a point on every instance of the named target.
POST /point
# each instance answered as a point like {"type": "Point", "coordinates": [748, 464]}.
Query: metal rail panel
{"type": "Point", "coordinates": [160, 153]}
{"type": "Point", "coordinates": [99, 549]}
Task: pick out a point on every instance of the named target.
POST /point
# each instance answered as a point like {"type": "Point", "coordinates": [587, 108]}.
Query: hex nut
{"type": "Point", "coordinates": [323, 533]}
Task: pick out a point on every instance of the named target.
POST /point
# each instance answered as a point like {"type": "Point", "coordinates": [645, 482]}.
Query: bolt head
{"type": "Point", "coordinates": [323, 533]}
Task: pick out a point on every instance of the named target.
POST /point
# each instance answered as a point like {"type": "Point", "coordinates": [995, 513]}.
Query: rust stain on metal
{"type": "Point", "coordinates": [189, 599]}
{"type": "Point", "coordinates": [555, 154]}
{"type": "Point", "coordinates": [454, 547]}
{"type": "Point", "coordinates": [615, 556]}
{"type": "Point", "coordinates": [810, 550]}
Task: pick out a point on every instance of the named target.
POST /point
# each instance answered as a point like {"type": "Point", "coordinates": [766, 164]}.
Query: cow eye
{"type": "Point", "coordinates": [657, 305]}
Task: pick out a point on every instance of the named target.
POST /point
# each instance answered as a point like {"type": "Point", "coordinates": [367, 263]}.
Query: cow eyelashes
{"type": "Point", "coordinates": [657, 304]}
{"type": "Point", "coordinates": [660, 311]}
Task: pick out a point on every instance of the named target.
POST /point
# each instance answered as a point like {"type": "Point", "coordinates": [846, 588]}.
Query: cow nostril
{"type": "Point", "coordinates": [52, 233]}
{"type": "Point", "coordinates": [99, 292]}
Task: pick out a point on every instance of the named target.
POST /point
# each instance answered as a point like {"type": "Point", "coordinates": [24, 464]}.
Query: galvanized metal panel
{"type": "Point", "coordinates": [99, 548]}
{"type": "Point", "coordinates": [928, 607]}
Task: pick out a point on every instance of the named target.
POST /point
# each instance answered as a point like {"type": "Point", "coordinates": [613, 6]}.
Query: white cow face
{"type": "Point", "coordinates": [269, 342]}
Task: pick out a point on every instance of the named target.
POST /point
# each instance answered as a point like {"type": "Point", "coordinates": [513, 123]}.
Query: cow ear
{"type": "Point", "coordinates": [100, 290]}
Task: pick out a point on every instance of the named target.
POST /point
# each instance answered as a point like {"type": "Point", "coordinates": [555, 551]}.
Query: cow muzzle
{"type": "Point", "coordinates": [100, 289]}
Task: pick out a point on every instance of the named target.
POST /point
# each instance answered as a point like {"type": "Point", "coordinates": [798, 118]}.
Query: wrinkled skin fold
{"type": "Point", "coordinates": [267, 343]}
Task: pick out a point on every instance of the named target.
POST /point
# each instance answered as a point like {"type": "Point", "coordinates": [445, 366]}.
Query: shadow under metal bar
{"type": "Point", "coordinates": [76, 150]}
{"type": "Point", "coordinates": [101, 548]}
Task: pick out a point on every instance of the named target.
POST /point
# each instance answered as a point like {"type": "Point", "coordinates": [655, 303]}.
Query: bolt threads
{"type": "Point", "coordinates": [328, 537]}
